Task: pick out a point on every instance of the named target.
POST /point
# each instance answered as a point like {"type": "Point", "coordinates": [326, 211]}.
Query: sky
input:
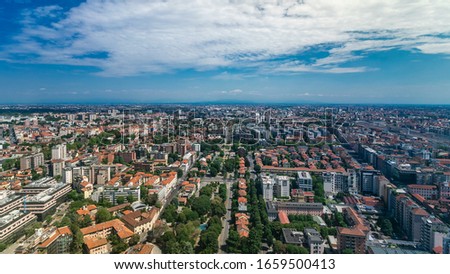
{"type": "Point", "coordinates": [253, 51]}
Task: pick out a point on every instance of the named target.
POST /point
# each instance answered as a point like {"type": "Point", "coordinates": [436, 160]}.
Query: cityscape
{"type": "Point", "coordinates": [150, 179]}
{"type": "Point", "coordinates": [229, 127]}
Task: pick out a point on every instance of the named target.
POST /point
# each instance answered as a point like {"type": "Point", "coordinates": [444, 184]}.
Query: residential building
{"type": "Point", "coordinates": [282, 186]}
{"type": "Point", "coordinates": [314, 241]}
{"type": "Point", "coordinates": [334, 182]}
{"type": "Point", "coordinates": [292, 236]}
{"type": "Point", "coordinates": [141, 222]}
{"type": "Point", "coordinates": [304, 181]}
{"type": "Point", "coordinates": [32, 161]}
{"type": "Point", "coordinates": [429, 192]}
{"type": "Point", "coordinates": [268, 185]}
{"type": "Point", "coordinates": [353, 237]}
{"type": "Point", "coordinates": [59, 152]}
{"type": "Point", "coordinates": [58, 242]}
{"type": "Point", "coordinates": [433, 232]}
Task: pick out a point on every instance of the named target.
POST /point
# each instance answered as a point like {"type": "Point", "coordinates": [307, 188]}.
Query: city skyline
{"type": "Point", "coordinates": [380, 52]}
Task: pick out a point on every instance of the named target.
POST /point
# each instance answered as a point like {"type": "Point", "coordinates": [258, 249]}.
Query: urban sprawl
{"type": "Point", "coordinates": [185, 179]}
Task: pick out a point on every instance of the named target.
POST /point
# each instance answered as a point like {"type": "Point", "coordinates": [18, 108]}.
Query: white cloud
{"type": "Point", "coordinates": [233, 91]}
{"type": "Point", "coordinates": [159, 36]}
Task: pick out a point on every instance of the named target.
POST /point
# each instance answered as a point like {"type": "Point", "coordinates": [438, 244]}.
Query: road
{"type": "Point", "coordinates": [226, 221]}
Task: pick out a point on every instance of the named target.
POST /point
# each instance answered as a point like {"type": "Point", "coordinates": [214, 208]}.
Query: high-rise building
{"type": "Point", "coordinates": [369, 181]}
{"type": "Point", "coordinates": [304, 181]}
{"type": "Point", "coordinates": [433, 232]}
{"type": "Point", "coordinates": [59, 152]}
{"type": "Point", "coordinates": [32, 161]}
{"type": "Point", "coordinates": [58, 167]}
{"type": "Point", "coordinates": [268, 184]}
{"type": "Point", "coordinates": [334, 182]}
{"type": "Point", "coordinates": [283, 186]}
{"type": "Point", "coordinates": [446, 244]}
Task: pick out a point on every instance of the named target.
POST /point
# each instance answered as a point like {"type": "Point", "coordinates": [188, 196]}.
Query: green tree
{"type": "Point", "coordinates": [102, 215]}
{"type": "Point", "coordinates": [348, 251]}
{"type": "Point", "coordinates": [134, 240]}
{"type": "Point", "coordinates": [152, 199]}
{"type": "Point", "coordinates": [218, 208]}
{"type": "Point", "coordinates": [87, 221]}
{"type": "Point", "coordinates": [130, 199]}
{"type": "Point", "coordinates": [201, 205]}
{"type": "Point", "coordinates": [120, 200]}
{"type": "Point", "coordinates": [213, 171]}
{"type": "Point", "coordinates": [180, 173]}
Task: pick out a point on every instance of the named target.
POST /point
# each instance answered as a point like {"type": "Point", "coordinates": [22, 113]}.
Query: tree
{"type": "Point", "coordinates": [180, 173]}
{"type": "Point", "coordinates": [201, 205]}
{"type": "Point", "coordinates": [48, 219]}
{"type": "Point", "coordinates": [257, 168]}
{"type": "Point", "coordinates": [213, 171]}
{"type": "Point", "coordinates": [87, 221]}
{"type": "Point", "coordinates": [130, 198]}
{"type": "Point", "coordinates": [170, 213]}
{"type": "Point", "coordinates": [134, 240]}
{"type": "Point", "coordinates": [218, 208]}
{"type": "Point", "coordinates": [102, 215]}
{"type": "Point", "coordinates": [120, 200]}
{"type": "Point", "coordinates": [186, 248]}
{"type": "Point", "coordinates": [77, 242]}
{"type": "Point", "coordinates": [348, 251]}
{"type": "Point", "coordinates": [65, 222]}
{"type": "Point", "coordinates": [152, 199]}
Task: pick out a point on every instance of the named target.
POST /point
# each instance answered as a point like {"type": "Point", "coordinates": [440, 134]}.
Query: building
{"type": "Point", "coordinates": [59, 152]}
{"type": "Point", "coordinates": [354, 237]}
{"type": "Point", "coordinates": [95, 237]}
{"type": "Point", "coordinates": [429, 192]}
{"type": "Point", "coordinates": [444, 190]}
{"type": "Point", "coordinates": [268, 185]}
{"type": "Point", "coordinates": [368, 181]}
{"type": "Point", "coordinates": [41, 197]}
{"type": "Point", "coordinates": [275, 186]}
{"type": "Point", "coordinates": [112, 194]}
{"type": "Point", "coordinates": [58, 242]}
{"type": "Point", "coordinates": [292, 236]}
{"type": "Point", "coordinates": [282, 186]}
{"type": "Point", "coordinates": [32, 161]}
{"type": "Point", "coordinates": [292, 208]}
{"type": "Point", "coordinates": [433, 232]}
{"type": "Point", "coordinates": [333, 182]}
{"type": "Point", "coordinates": [58, 167]}
{"type": "Point", "coordinates": [314, 241]}
{"type": "Point", "coordinates": [304, 181]}
{"type": "Point", "coordinates": [141, 222]}
{"type": "Point", "coordinates": [13, 222]}
{"type": "Point", "coordinates": [9, 201]}
{"type": "Point", "coordinates": [446, 244]}
{"type": "Point", "coordinates": [300, 196]}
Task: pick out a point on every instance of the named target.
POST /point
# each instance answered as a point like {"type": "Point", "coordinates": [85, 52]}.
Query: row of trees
{"type": "Point", "coordinates": [260, 230]}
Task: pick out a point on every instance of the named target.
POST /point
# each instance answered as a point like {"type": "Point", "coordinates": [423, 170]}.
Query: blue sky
{"type": "Point", "coordinates": [264, 51]}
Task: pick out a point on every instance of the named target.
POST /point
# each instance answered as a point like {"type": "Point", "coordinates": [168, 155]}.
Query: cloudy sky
{"type": "Point", "coordinates": [279, 51]}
